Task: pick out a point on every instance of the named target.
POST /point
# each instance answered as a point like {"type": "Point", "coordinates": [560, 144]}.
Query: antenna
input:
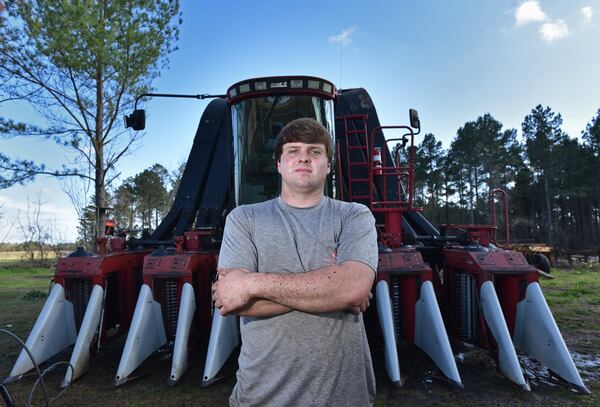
{"type": "Point", "coordinates": [341, 60]}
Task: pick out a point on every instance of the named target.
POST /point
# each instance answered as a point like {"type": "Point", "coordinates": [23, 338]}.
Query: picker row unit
{"type": "Point", "coordinates": [433, 290]}
{"type": "Point", "coordinates": [173, 307]}
{"type": "Point", "coordinates": [91, 302]}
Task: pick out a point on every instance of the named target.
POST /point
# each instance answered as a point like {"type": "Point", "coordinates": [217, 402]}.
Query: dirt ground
{"type": "Point", "coordinates": [574, 298]}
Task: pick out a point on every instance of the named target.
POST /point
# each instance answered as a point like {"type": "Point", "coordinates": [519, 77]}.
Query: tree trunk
{"type": "Point", "coordinates": [99, 144]}
{"type": "Point", "coordinates": [471, 205]}
{"type": "Point", "coordinates": [596, 223]}
{"type": "Point", "coordinates": [461, 194]}
{"type": "Point", "coordinates": [475, 216]}
{"type": "Point", "coordinates": [446, 200]}
{"type": "Point", "coordinates": [548, 211]}
{"type": "Point", "coordinates": [433, 208]}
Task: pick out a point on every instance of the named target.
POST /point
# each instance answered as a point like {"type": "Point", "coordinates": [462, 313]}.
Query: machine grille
{"type": "Point", "coordinates": [169, 301]}
{"type": "Point", "coordinates": [396, 306]}
{"type": "Point", "coordinates": [467, 307]}
{"type": "Point", "coordinates": [78, 291]}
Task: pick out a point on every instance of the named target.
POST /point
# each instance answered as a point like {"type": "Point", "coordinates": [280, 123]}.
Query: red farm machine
{"type": "Point", "coordinates": [434, 288]}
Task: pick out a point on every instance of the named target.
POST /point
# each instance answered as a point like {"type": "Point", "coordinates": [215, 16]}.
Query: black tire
{"type": "Point", "coordinates": [541, 262]}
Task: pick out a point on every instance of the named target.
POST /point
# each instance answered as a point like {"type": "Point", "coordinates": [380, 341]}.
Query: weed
{"type": "Point", "coordinates": [34, 295]}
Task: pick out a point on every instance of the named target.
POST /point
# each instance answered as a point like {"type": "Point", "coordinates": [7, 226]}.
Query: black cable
{"type": "Point", "coordinates": [35, 365]}
{"type": "Point", "coordinates": [49, 369]}
{"type": "Point", "coordinates": [6, 396]}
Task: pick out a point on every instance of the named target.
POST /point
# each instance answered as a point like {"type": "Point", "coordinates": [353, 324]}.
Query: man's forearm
{"type": "Point", "coordinates": [262, 308]}
{"type": "Point", "coordinates": [333, 288]}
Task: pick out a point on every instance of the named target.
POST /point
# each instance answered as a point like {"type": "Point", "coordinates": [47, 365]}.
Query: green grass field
{"type": "Point", "coordinates": [574, 297]}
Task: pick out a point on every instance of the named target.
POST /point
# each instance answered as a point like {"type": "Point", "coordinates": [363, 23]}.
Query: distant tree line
{"type": "Point", "coordinates": [551, 178]}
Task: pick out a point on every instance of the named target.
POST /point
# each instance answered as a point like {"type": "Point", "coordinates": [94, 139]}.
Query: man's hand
{"type": "Point", "coordinates": [357, 309]}
{"type": "Point", "coordinates": [231, 290]}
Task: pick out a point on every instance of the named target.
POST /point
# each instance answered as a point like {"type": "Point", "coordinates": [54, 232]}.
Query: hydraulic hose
{"type": "Point", "coordinates": [6, 396]}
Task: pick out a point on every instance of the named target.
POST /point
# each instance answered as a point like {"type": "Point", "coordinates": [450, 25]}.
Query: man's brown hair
{"type": "Point", "coordinates": [304, 130]}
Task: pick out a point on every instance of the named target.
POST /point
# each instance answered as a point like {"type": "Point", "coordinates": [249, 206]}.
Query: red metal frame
{"type": "Point", "coordinates": [406, 266]}
{"type": "Point", "coordinates": [191, 263]}
{"type": "Point", "coordinates": [117, 271]}
{"type": "Point", "coordinates": [339, 178]}
{"type": "Point", "coordinates": [509, 272]}
{"type": "Point", "coordinates": [476, 234]}
{"type": "Point", "coordinates": [403, 176]}
{"type": "Point", "coordinates": [361, 130]}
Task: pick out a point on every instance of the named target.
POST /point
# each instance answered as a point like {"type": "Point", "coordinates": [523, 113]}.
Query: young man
{"type": "Point", "coordinates": [298, 269]}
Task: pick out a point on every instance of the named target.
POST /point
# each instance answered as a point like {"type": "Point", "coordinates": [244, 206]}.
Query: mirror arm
{"type": "Point", "coordinates": [175, 95]}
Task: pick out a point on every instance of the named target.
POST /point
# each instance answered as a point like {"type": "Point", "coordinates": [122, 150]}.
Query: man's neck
{"type": "Point", "coordinates": [301, 200]}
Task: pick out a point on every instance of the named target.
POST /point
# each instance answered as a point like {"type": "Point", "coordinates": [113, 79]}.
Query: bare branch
{"type": "Point", "coordinates": [83, 111]}
{"type": "Point", "coordinates": [112, 161]}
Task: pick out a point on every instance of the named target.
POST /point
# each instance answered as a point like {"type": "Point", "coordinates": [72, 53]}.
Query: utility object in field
{"type": "Point", "coordinates": [432, 289]}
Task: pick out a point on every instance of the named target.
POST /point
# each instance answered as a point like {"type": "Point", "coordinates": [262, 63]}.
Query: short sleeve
{"type": "Point", "coordinates": [237, 248]}
{"type": "Point", "coordinates": [358, 237]}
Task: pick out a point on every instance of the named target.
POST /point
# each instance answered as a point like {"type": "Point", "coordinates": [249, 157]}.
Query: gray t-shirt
{"type": "Point", "coordinates": [301, 359]}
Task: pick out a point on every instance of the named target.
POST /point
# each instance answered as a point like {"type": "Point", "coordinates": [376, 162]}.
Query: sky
{"type": "Point", "coordinates": [453, 61]}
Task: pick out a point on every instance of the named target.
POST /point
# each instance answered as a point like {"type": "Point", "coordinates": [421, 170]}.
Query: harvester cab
{"type": "Point", "coordinates": [488, 296]}
{"type": "Point", "coordinates": [259, 109]}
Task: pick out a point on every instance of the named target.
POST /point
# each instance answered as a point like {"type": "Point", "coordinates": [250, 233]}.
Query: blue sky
{"type": "Point", "coordinates": [453, 61]}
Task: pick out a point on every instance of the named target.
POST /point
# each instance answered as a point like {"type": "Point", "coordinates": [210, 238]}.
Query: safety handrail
{"type": "Point", "coordinates": [385, 170]}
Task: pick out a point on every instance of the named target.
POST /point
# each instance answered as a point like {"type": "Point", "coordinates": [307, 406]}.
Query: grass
{"type": "Point", "coordinates": [573, 296]}
{"type": "Point", "coordinates": [16, 312]}
{"type": "Point", "coordinates": [579, 286]}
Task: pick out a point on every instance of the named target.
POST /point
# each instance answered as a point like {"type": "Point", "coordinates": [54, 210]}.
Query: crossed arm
{"type": "Point", "coordinates": [340, 287]}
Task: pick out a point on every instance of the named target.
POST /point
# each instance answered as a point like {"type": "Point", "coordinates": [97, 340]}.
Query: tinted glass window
{"type": "Point", "coordinates": [256, 124]}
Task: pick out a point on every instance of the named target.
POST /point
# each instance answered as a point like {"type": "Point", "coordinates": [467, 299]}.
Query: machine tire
{"type": "Point", "coordinates": [541, 262]}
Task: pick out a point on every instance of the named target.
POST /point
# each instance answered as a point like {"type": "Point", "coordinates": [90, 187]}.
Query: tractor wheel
{"type": "Point", "coordinates": [541, 262]}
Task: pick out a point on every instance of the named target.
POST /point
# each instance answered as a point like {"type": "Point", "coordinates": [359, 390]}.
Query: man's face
{"type": "Point", "coordinates": [303, 167]}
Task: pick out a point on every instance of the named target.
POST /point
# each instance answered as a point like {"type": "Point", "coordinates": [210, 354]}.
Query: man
{"type": "Point", "coordinates": [298, 269]}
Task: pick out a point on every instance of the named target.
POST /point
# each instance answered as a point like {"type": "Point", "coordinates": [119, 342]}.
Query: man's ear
{"type": "Point", "coordinates": [328, 167]}
{"type": "Point", "coordinates": [278, 166]}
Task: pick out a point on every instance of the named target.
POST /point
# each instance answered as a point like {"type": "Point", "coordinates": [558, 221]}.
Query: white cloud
{"type": "Point", "coordinates": [587, 14]}
{"type": "Point", "coordinates": [343, 37]}
{"type": "Point", "coordinates": [549, 30]}
{"type": "Point", "coordinates": [529, 11]}
{"type": "Point", "coordinates": [553, 31]}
